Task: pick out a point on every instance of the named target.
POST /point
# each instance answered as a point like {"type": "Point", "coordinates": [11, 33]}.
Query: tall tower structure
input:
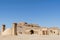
{"type": "Point", "coordinates": [3, 28]}
{"type": "Point", "coordinates": [14, 29]}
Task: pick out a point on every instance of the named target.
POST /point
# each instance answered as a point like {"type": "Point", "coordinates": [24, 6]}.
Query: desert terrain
{"type": "Point", "coordinates": [30, 37]}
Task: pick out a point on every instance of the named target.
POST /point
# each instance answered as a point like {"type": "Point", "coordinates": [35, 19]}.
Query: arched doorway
{"type": "Point", "coordinates": [45, 32]}
{"type": "Point", "coordinates": [31, 32]}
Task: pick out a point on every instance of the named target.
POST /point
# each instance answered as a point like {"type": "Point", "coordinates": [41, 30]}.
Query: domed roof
{"type": "Point", "coordinates": [7, 32]}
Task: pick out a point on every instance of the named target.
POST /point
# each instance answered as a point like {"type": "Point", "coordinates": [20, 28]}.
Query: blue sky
{"type": "Point", "coordinates": [42, 12]}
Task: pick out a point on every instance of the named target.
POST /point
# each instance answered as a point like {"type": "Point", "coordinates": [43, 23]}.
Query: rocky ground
{"type": "Point", "coordinates": [31, 37]}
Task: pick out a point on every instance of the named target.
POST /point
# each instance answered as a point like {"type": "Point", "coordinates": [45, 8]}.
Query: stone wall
{"type": "Point", "coordinates": [29, 29]}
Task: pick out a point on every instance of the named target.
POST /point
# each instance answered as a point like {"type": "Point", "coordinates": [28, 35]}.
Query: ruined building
{"type": "Point", "coordinates": [29, 29]}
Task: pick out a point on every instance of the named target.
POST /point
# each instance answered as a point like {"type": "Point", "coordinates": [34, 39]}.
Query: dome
{"type": "Point", "coordinates": [7, 32]}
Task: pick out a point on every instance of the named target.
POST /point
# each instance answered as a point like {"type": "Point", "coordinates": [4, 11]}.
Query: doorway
{"type": "Point", "coordinates": [31, 32]}
{"type": "Point", "coordinates": [43, 32]}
